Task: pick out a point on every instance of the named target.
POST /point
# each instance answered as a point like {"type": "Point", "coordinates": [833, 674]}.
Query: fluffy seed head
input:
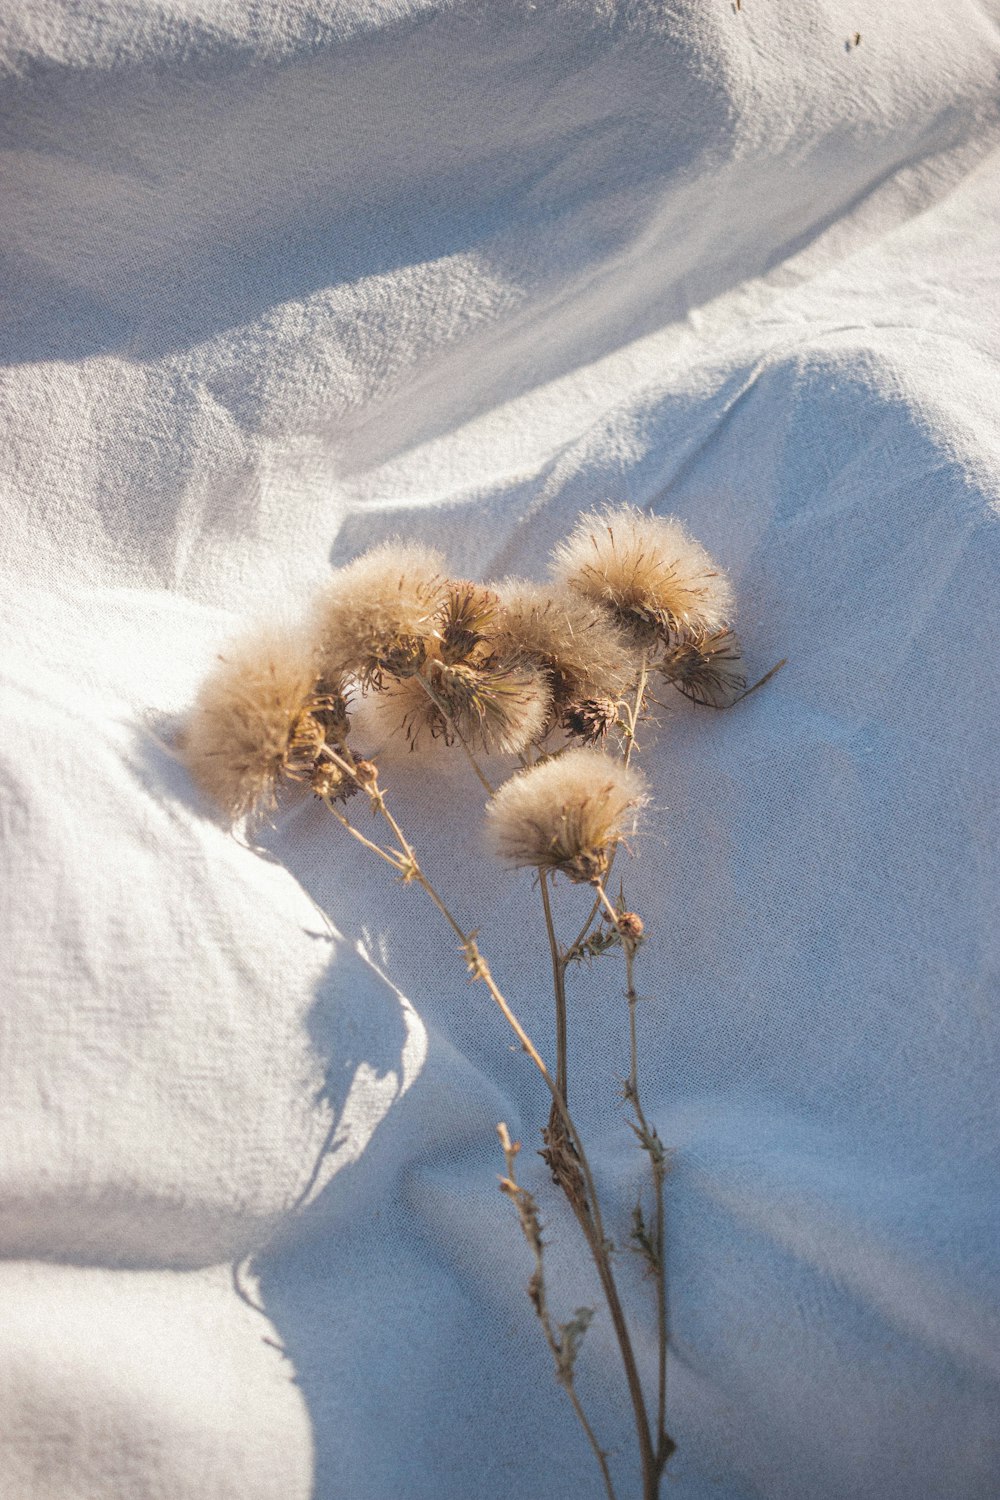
{"type": "Point", "coordinates": [655, 579]}
{"type": "Point", "coordinates": [253, 722]}
{"type": "Point", "coordinates": [495, 706]}
{"type": "Point", "coordinates": [707, 669]}
{"type": "Point", "coordinates": [574, 640]}
{"type": "Point", "coordinates": [566, 814]}
{"type": "Point", "coordinates": [380, 612]}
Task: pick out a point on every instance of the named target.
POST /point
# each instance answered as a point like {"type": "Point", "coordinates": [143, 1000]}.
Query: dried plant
{"type": "Point", "coordinates": [566, 815]}
{"type": "Point", "coordinates": [494, 670]}
{"type": "Point", "coordinates": [258, 717]}
{"type": "Point", "coordinates": [657, 582]}
{"type": "Point", "coordinates": [380, 613]}
{"type": "Point", "coordinates": [574, 642]}
{"type": "Point", "coordinates": [708, 669]}
{"type": "Point", "coordinates": [497, 707]}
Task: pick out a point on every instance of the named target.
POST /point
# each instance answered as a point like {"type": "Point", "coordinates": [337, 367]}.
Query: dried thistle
{"type": "Point", "coordinates": [708, 669]}
{"type": "Point", "coordinates": [380, 613]}
{"type": "Point", "coordinates": [566, 814]}
{"type": "Point", "coordinates": [257, 718]}
{"type": "Point", "coordinates": [586, 657]}
{"type": "Point", "coordinates": [465, 619]}
{"type": "Point", "coordinates": [590, 721]}
{"type": "Point", "coordinates": [495, 706]}
{"type": "Point", "coordinates": [658, 583]}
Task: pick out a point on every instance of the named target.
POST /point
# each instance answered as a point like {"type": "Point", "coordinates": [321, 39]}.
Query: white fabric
{"type": "Point", "coordinates": [278, 281]}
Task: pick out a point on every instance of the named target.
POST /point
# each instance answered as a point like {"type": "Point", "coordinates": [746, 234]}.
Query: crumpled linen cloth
{"type": "Point", "coordinates": [278, 281]}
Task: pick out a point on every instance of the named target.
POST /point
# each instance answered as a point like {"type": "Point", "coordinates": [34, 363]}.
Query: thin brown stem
{"type": "Point", "coordinates": [559, 988]}
{"type": "Point", "coordinates": [653, 1146]}
{"type": "Point", "coordinates": [356, 833]}
{"type": "Point", "coordinates": [563, 1349]}
{"type": "Point", "coordinates": [658, 1165]}
{"type": "Point", "coordinates": [633, 719]}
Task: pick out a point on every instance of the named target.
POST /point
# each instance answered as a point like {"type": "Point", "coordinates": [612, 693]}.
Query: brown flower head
{"type": "Point", "coordinates": [657, 582]}
{"type": "Point", "coordinates": [590, 721]}
{"type": "Point", "coordinates": [566, 814]}
{"type": "Point", "coordinates": [256, 719]}
{"type": "Point", "coordinates": [465, 619]}
{"type": "Point", "coordinates": [380, 612]}
{"type": "Point", "coordinates": [708, 669]}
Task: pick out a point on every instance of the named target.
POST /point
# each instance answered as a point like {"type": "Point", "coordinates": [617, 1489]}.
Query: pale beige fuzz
{"type": "Point", "coordinates": [574, 640]}
{"type": "Point", "coordinates": [238, 738]}
{"type": "Point", "coordinates": [498, 709]}
{"type": "Point", "coordinates": [648, 570]}
{"type": "Point", "coordinates": [566, 814]}
{"type": "Point", "coordinates": [378, 607]}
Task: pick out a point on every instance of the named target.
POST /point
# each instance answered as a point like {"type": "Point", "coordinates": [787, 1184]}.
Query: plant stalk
{"type": "Point", "coordinates": [588, 1213]}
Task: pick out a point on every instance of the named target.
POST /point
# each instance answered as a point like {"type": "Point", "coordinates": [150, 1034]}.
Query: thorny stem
{"type": "Point", "coordinates": [653, 1146]}
{"type": "Point", "coordinates": [527, 1212]}
{"type": "Point", "coordinates": [449, 718]}
{"type": "Point", "coordinates": [588, 1213]}
{"type": "Point", "coordinates": [357, 834]}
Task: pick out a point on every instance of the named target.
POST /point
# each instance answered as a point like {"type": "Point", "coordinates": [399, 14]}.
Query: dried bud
{"type": "Point", "coordinates": [330, 709]}
{"type": "Point", "coordinates": [254, 722]}
{"type": "Point", "coordinates": [574, 640]}
{"type": "Point", "coordinates": [380, 613]}
{"type": "Point", "coordinates": [631, 926]}
{"type": "Point", "coordinates": [365, 772]}
{"type": "Point", "coordinates": [327, 779]}
{"type": "Point", "coordinates": [590, 721]}
{"type": "Point", "coordinates": [465, 619]}
{"type": "Point", "coordinates": [498, 706]}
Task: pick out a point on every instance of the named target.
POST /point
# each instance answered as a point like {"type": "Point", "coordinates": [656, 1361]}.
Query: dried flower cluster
{"type": "Point", "coordinates": [555, 674]}
{"type": "Point", "coordinates": [502, 668]}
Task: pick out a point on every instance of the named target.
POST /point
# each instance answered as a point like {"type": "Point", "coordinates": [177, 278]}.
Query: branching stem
{"type": "Point", "coordinates": [588, 1212]}
{"type": "Point", "coordinates": [527, 1212]}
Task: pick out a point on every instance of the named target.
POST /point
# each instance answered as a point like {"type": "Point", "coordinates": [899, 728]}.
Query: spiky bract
{"type": "Point", "coordinates": [465, 619]}
{"type": "Point", "coordinates": [257, 718]}
{"type": "Point", "coordinates": [707, 669]}
{"type": "Point", "coordinates": [658, 582]}
{"type": "Point", "coordinates": [566, 814]}
{"type": "Point", "coordinates": [381, 611]}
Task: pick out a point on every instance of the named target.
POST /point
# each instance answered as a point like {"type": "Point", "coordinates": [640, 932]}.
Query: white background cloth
{"type": "Point", "coordinates": [279, 280]}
